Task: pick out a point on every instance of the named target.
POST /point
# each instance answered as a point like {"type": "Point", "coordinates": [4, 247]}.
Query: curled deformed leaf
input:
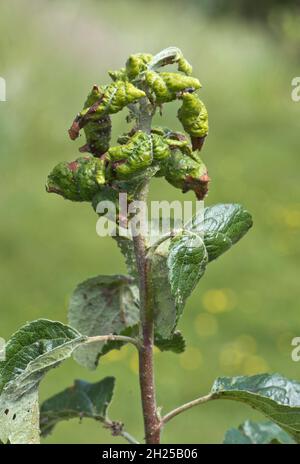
{"type": "Point", "coordinates": [77, 180]}
{"type": "Point", "coordinates": [114, 98]}
{"type": "Point", "coordinates": [161, 148]}
{"type": "Point", "coordinates": [118, 75]}
{"type": "Point", "coordinates": [83, 399]}
{"type": "Point", "coordinates": [193, 116]}
{"type": "Point", "coordinates": [187, 174]}
{"type": "Point", "coordinates": [166, 86]}
{"type": "Point", "coordinates": [30, 353]}
{"type": "Point", "coordinates": [103, 101]}
{"type": "Point", "coordinates": [98, 134]}
{"type": "Point", "coordinates": [136, 64]}
{"type": "Point", "coordinates": [134, 156]}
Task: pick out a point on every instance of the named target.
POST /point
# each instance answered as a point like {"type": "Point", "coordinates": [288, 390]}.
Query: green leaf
{"type": "Point", "coordinates": [273, 395]}
{"type": "Point", "coordinates": [186, 262]}
{"type": "Point", "coordinates": [102, 305]}
{"type": "Point", "coordinates": [30, 353]}
{"type": "Point", "coordinates": [165, 311]}
{"type": "Point", "coordinates": [176, 343]}
{"type": "Point", "coordinates": [177, 265]}
{"type": "Point", "coordinates": [83, 399]}
{"type": "Point", "coordinates": [257, 433]}
{"type": "Point", "coordinates": [223, 226]}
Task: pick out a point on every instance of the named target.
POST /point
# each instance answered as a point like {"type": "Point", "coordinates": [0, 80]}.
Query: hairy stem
{"type": "Point", "coordinates": [112, 337]}
{"type": "Point", "coordinates": [146, 368]}
{"type": "Point", "coordinates": [185, 407]}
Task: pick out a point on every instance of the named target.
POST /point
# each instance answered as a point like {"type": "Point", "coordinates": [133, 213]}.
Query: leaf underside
{"type": "Point", "coordinates": [103, 305]}
{"type": "Point", "coordinates": [83, 399]}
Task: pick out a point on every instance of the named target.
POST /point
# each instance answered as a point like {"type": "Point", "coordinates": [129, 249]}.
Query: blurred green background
{"type": "Point", "coordinates": [243, 315]}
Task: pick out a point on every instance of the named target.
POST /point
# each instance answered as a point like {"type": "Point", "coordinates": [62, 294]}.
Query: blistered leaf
{"type": "Point", "coordinates": [103, 101]}
{"type": "Point", "coordinates": [102, 305]}
{"type": "Point", "coordinates": [82, 400]}
{"type": "Point", "coordinates": [194, 117]}
{"type": "Point", "coordinates": [166, 86]}
{"type": "Point", "coordinates": [98, 134]}
{"type": "Point", "coordinates": [135, 182]}
{"type": "Point", "coordinates": [273, 395]}
{"type": "Point", "coordinates": [136, 64]}
{"type": "Point", "coordinates": [78, 180]}
{"type": "Point", "coordinates": [30, 353]}
{"type": "Point", "coordinates": [223, 226]}
{"type": "Point", "coordinates": [186, 262]}
{"type": "Point", "coordinates": [187, 174]}
{"type": "Point", "coordinates": [118, 75]}
{"type": "Point", "coordinates": [257, 433]}
{"type": "Point", "coordinates": [161, 148]}
{"type": "Point", "coordinates": [136, 155]}
{"type": "Point", "coordinates": [113, 99]}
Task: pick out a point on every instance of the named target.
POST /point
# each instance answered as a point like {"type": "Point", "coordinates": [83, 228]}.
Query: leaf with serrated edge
{"type": "Point", "coordinates": [257, 433]}
{"type": "Point", "coordinates": [176, 343]}
{"type": "Point", "coordinates": [102, 305]}
{"type": "Point", "coordinates": [30, 353]}
{"type": "Point", "coordinates": [273, 395]}
{"type": "Point", "coordinates": [83, 399]}
{"type": "Point", "coordinates": [224, 225]}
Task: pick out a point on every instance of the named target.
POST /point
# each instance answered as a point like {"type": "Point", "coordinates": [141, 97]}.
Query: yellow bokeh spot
{"type": "Point", "coordinates": [254, 365]}
{"type": "Point", "coordinates": [206, 325]}
{"type": "Point", "coordinates": [246, 344]}
{"type": "Point", "coordinates": [231, 358]}
{"type": "Point", "coordinates": [134, 363]}
{"type": "Point", "coordinates": [289, 217]}
{"type": "Point", "coordinates": [191, 359]}
{"type": "Point", "coordinates": [115, 355]}
{"type": "Point", "coordinates": [239, 357]}
{"type": "Point", "coordinates": [217, 301]}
